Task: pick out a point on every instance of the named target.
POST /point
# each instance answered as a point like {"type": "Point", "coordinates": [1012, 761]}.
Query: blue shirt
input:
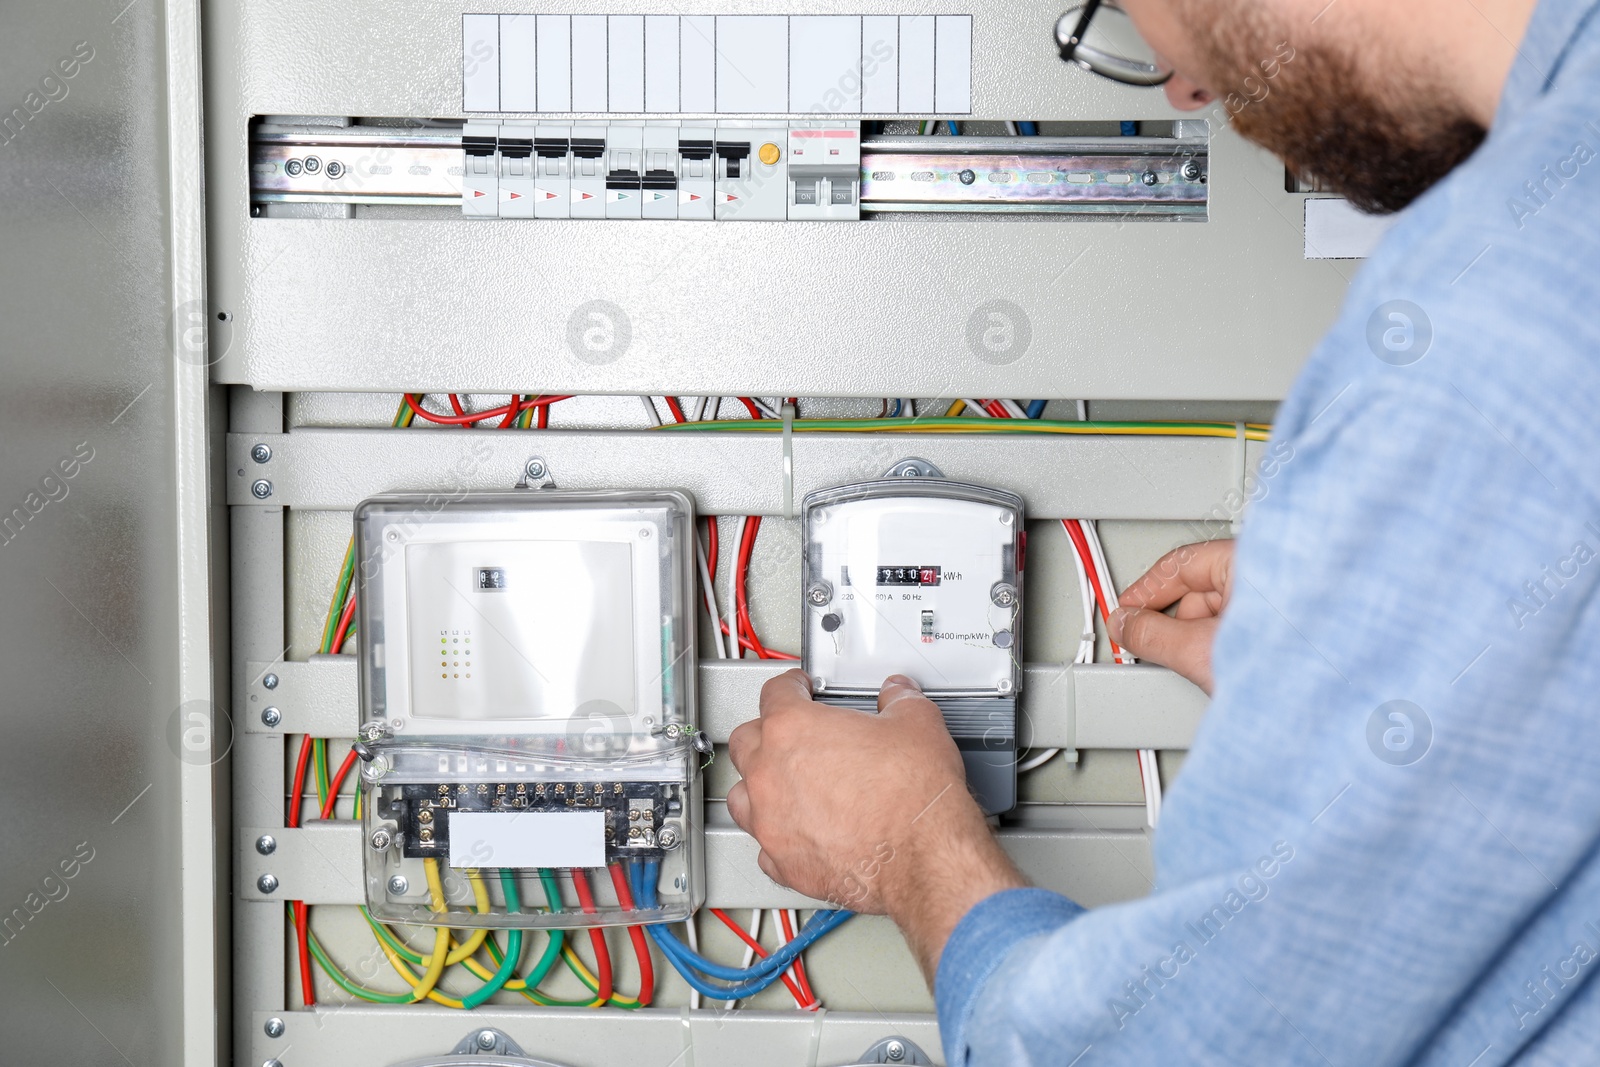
{"type": "Point", "coordinates": [1382, 848]}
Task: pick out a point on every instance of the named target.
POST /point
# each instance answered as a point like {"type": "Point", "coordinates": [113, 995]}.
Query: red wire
{"type": "Point", "coordinates": [480, 416]}
{"type": "Point", "coordinates": [741, 606]}
{"type": "Point", "coordinates": [641, 950]}
{"type": "Point", "coordinates": [744, 935]}
{"type": "Point", "coordinates": [1081, 543]}
{"type": "Point", "coordinates": [750, 406]}
{"type": "Point", "coordinates": [542, 417]}
{"type": "Point", "coordinates": [511, 415]}
{"type": "Point", "coordinates": [597, 937]}
{"type": "Point", "coordinates": [676, 408]}
{"type": "Point", "coordinates": [799, 961]}
{"type": "Point", "coordinates": [711, 546]}
{"type": "Point", "coordinates": [455, 405]}
{"type": "Point", "coordinates": [345, 618]}
{"type": "Point", "coordinates": [338, 780]}
{"type": "Point", "coordinates": [308, 992]}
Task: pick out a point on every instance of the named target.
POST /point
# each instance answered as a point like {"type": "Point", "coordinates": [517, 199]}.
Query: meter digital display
{"type": "Point", "coordinates": [909, 575]}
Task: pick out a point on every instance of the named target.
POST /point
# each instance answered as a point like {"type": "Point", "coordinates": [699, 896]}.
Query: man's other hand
{"type": "Point", "coordinates": [1196, 578]}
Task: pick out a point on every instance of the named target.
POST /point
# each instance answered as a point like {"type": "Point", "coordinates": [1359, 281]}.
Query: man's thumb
{"type": "Point", "coordinates": [1182, 645]}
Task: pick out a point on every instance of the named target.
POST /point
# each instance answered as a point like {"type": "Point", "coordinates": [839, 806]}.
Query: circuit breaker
{"type": "Point", "coordinates": [526, 668]}
{"type": "Point", "coordinates": [922, 577]}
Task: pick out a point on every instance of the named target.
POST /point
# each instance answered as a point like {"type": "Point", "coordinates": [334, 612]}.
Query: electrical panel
{"type": "Point", "coordinates": [921, 577]}
{"type": "Point", "coordinates": [525, 705]}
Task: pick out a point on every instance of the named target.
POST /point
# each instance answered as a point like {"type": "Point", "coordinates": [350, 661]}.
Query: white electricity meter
{"type": "Point", "coordinates": [526, 662]}
{"type": "Point", "coordinates": [922, 577]}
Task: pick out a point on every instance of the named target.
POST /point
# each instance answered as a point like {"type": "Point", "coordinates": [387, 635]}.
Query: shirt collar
{"type": "Point", "coordinates": [1555, 27]}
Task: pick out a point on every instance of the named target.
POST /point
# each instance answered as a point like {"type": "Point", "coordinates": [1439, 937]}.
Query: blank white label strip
{"type": "Point", "coordinates": [527, 839]}
{"type": "Point", "coordinates": [826, 65]}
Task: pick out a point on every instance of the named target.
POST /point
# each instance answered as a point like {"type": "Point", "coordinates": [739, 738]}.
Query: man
{"type": "Point", "coordinates": [1383, 846]}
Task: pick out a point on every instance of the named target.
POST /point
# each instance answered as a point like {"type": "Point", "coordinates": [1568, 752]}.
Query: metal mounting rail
{"type": "Point", "coordinates": [1150, 177]}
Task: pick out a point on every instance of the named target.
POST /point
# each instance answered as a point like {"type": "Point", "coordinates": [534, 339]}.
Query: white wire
{"type": "Point", "coordinates": [749, 950]}
{"type": "Point", "coordinates": [735, 649]}
{"type": "Point", "coordinates": [1013, 409]}
{"type": "Point", "coordinates": [794, 923]}
{"type": "Point", "coordinates": [908, 407]}
{"type": "Point", "coordinates": [765, 408]}
{"type": "Point", "coordinates": [1011, 128]}
{"type": "Point", "coordinates": [1149, 770]}
{"type": "Point", "coordinates": [650, 410]}
{"type": "Point", "coordinates": [711, 597]}
{"type": "Point", "coordinates": [716, 408]}
{"type": "Point", "coordinates": [1086, 649]}
{"type": "Point", "coordinates": [976, 408]}
{"type": "Point", "coordinates": [694, 946]}
{"type": "Point", "coordinates": [1083, 411]}
{"type": "Point", "coordinates": [697, 410]}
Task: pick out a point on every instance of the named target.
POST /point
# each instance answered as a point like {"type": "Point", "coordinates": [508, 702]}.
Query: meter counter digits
{"type": "Point", "coordinates": [921, 577]}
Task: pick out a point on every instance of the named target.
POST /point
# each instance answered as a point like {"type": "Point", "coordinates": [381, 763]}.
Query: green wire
{"type": "Point", "coordinates": [340, 590]}
{"type": "Point", "coordinates": [508, 966]}
{"type": "Point", "coordinates": [340, 980]}
{"type": "Point", "coordinates": [319, 754]}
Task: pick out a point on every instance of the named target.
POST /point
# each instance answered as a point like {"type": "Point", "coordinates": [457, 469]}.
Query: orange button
{"type": "Point", "coordinates": [769, 153]}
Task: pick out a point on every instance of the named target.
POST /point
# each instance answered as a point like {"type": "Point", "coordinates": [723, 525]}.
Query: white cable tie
{"type": "Point", "coordinates": [816, 1036]}
{"type": "Point", "coordinates": [1241, 445]}
{"type": "Point", "coordinates": [687, 1056]}
{"type": "Point", "coordinates": [788, 461]}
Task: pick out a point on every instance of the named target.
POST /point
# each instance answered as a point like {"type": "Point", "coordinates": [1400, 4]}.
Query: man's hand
{"type": "Point", "coordinates": [868, 812]}
{"type": "Point", "coordinates": [1197, 579]}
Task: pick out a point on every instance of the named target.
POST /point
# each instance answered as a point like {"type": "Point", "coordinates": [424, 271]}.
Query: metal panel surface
{"type": "Point", "coordinates": [113, 723]}
{"type": "Point", "coordinates": [1118, 308]}
{"type": "Point", "coordinates": [1059, 476]}
{"type": "Point", "coordinates": [1083, 706]}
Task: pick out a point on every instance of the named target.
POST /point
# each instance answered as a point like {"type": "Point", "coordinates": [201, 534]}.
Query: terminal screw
{"type": "Point", "coordinates": [669, 837]}
{"type": "Point", "coordinates": [819, 594]}
{"type": "Point", "coordinates": [381, 840]}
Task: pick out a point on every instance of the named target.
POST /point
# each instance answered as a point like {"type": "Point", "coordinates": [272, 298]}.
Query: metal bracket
{"type": "Point", "coordinates": [489, 1047]}
{"type": "Point", "coordinates": [894, 1050]}
{"type": "Point", "coordinates": [913, 467]}
{"type": "Point", "coordinates": [536, 475]}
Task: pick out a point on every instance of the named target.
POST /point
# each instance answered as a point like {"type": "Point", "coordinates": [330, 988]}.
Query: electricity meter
{"type": "Point", "coordinates": [526, 662]}
{"type": "Point", "coordinates": [922, 577]}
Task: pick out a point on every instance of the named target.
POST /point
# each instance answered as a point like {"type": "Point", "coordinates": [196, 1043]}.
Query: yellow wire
{"type": "Point", "coordinates": [441, 938]}
{"type": "Point", "coordinates": [955, 409]}
{"type": "Point", "coordinates": [411, 979]}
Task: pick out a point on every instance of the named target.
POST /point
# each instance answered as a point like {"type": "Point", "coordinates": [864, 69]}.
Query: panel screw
{"type": "Point", "coordinates": [398, 885]}
{"type": "Point", "coordinates": [669, 837]}
{"type": "Point", "coordinates": [270, 681]}
{"type": "Point", "coordinates": [261, 488]}
{"type": "Point", "coordinates": [536, 469]}
{"type": "Point", "coordinates": [293, 167]}
{"type": "Point", "coordinates": [371, 731]}
{"type": "Point", "coordinates": [271, 716]}
{"type": "Point", "coordinates": [487, 1039]}
{"type": "Point", "coordinates": [335, 169]}
{"type": "Point", "coordinates": [274, 1027]}
{"type": "Point", "coordinates": [1003, 595]}
{"type": "Point", "coordinates": [260, 452]}
{"type": "Point", "coordinates": [895, 1051]}
{"type": "Point", "coordinates": [1191, 171]}
{"type": "Point", "coordinates": [819, 594]}
{"type": "Point", "coordinates": [1151, 177]}
{"type": "Point", "coordinates": [381, 840]}
{"type": "Point", "coordinates": [273, 1063]}
{"type": "Point", "coordinates": [266, 844]}
{"type": "Point", "coordinates": [313, 164]}
{"type": "Point", "coordinates": [967, 177]}
{"type": "Point", "coordinates": [267, 883]}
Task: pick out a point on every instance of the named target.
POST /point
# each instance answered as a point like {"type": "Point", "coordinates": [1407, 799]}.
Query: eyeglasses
{"type": "Point", "coordinates": [1116, 51]}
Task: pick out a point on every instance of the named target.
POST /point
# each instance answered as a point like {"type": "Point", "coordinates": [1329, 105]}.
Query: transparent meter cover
{"type": "Point", "coordinates": [526, 663]}
{"type": "Point", "coordinates": [914, 576]}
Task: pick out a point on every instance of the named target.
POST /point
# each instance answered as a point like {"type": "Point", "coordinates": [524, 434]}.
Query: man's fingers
{"type": "Point", "coordinates": [1182, 645]}
{"type": "Point", "coordinates": [897, 687]}
{"type": "Point", "coordinates": [768, 867]}
{"type": "Point", "coordinates": [1199, 568]}
{"type": "Point", "coordinates": [789, 688]}
{"type": "Point", "coordinates": [744, 740]}
{"type": "Point", "coordinates": [739, 805]}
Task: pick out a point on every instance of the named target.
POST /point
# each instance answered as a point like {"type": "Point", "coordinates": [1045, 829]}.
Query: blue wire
{"type": "Point", "coordinates": [1035, 408]}
{"type": "Point", "coordinates": [1028, 129]}
{"type": "Point", "coordinates": [750, 980]}
{"type": "Point", "coordinates": [896, 412]}
{"type": "Point", "coordinates": [950, 125]}
{"type": "Point", "coordinates": [1130, 129]}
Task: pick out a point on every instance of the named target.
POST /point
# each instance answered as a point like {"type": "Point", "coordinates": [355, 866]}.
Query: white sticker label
{"type": "Point", "coordinates": [815, 65]}
{"type": "Point", "coordinates": [527, 839]}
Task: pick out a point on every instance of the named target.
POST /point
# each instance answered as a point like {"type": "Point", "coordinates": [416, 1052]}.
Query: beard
{"type": "Point", "coordinates": [1381, 139]}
